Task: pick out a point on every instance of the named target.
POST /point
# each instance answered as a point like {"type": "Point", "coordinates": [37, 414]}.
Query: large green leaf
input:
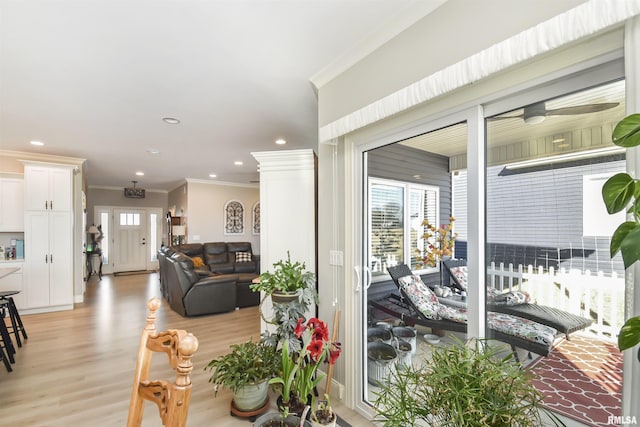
{"type": "Point", "coordinates": [630, 246]}
{"type": "Point", "coordinates": [629, 333]}
{"type": "Point", "coordinates": [627, 132]}
{"type": "Point", "coordinates": [619, 235]}
{"type": "Point", "coordinates": [617, 192]}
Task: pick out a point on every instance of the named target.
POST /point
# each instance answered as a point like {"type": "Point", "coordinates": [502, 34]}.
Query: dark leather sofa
{"type": "Point", "coordinates": [220, 285]}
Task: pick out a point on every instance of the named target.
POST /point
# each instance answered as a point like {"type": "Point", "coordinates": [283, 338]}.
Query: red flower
{"type": "Point", "coordinates": [334, 352]}
{"type": "Point", "coordinates": [299, 330]}
{"type": "Point", "coordinates": [315, 348]}
{"type": "Point", "coordinates": [321, 331]}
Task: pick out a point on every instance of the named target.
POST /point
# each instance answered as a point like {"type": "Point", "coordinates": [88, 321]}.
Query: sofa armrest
{"type": "Point", "coordinates": [214, 294]}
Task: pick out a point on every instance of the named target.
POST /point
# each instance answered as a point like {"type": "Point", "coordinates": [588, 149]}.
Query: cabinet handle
{"type": "Point", "coordinates": [46, 259]}
{"type": "Point", "coordinates": [46, 205]}
{"type": "Point", "coordinates": [51, 258]}
{"type": "Point", "coordinates": [51, 204]}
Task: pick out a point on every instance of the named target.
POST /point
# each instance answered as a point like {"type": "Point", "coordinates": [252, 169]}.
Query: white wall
{"type": "Point", "coordinates": [456, 30]}
{"type": "Point", "coordinates": [205, 212]}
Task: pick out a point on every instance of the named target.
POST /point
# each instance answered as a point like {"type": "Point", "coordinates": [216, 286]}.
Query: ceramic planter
{"type": "Point", "coordinates": [274, 419]}
{"type": "Point", "coordinates": [331, 423]}
{"type": "Point", "coordinates": [284, 297]}
{"type": "Point", "coordinates": [251, 397]}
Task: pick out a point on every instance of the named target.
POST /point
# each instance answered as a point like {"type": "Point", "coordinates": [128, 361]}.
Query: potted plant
{"type": "Point", "coordinates": [622, 191]}
{"type": "Point", "coordinates": [246, 370]}
{"type": "Point", "coordinates": [287, 281]}
{"type": "Point", "coordinates": [299, 366]}
{"type": "Point", "coordinates": [464, 384]}
{"type": "Point", "coordinates": [322, 414]}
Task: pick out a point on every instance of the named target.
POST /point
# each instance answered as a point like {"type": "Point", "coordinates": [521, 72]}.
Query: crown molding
{"type": "Point", "coordinates": [220, 183]}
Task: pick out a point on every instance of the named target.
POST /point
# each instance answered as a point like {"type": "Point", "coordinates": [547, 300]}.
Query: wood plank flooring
{"type": "Point", "coordinates": [76, 368]}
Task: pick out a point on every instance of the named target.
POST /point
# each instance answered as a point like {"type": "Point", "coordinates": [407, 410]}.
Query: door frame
{"type": "Point", "coordinates": [151, 263]}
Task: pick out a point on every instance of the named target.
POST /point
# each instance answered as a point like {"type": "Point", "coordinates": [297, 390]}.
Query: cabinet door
{"type": "Point", "coordinates": [11, 205]}
{"type": "Point", "coordinates": [60, 190]}
{"type": "Point", "coordinates": [36, 275]}
{"type": "Point", "coordinates": [36, 185]}
{"type": "Point", "coordinates": [60, 259]}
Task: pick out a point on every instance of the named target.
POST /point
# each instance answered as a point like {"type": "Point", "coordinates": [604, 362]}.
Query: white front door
{"type": "Point", "coordinates": [130, 229]}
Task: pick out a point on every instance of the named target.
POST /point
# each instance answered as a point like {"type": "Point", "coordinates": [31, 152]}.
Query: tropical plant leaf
{"type": "Point", "coordinates": [617, 192]}
{"type": "Point", "coordinates": [629, 333]}
{"type": "Point", "coordinates": [627, 132]}
{"type": "Point", "coordinates": [630, 246]}
{"type": "Point", "coordinates": [619, 235]}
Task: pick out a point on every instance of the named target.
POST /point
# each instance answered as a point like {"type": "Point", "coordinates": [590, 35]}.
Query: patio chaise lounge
{"type": "Point", "coordinates": [417, 305]}
{"type": "Point", "coordinates": [561, 320]}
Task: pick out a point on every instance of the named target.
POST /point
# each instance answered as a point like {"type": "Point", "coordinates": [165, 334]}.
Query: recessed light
{"type": "Point", "coordinates": [171, 120]}
{"type": "Point", "coordinates": [238, 163]}
{"type": "Point", "coordinates": [213, 175]}
{"type": "Point", "coordinates": [280, 141]}
{"type": "Point", "coordinates": [557, 139]}
{"type": "Point", "coordinates": [153, 151]}
{"type": "Point", "coordinates": [140, 173]}
{"type": "Point", "coordinates": [38, 143]}
{"type": "Point", "coordinates": [417, 176]}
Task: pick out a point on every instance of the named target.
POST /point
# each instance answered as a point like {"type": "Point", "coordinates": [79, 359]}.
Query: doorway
{"type": "Point", "coordinates": [131, 238]}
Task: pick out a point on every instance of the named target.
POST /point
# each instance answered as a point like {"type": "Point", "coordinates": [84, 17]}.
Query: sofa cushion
{"type": "Point", "coordinates": [189, 249]}
{"type": "Point", "coordinates": [239, 247]}
{"type": "Point", "coordinates": [226, 268]}
{"type": "Point", "coordinates": [215, 253]}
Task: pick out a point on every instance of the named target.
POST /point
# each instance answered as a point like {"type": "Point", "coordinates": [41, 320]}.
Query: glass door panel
{"type": "Point", "coordinates": [409, 187]}
{"type": "Point", "coordinates": [548, 232]}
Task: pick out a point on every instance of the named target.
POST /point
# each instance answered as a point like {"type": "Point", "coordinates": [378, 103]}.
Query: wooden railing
{"type": "Point", "coordinates": [596, 296]}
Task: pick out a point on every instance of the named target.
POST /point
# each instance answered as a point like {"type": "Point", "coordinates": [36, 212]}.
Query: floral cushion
{"type": "Point", "coordinates": [494, 296]}
{"type": "Point", "coordinates": [459, 274]}
{"type": "Point", "coordinates": [454, 314]}
{"type": "Point", "coordinates": [421, 296]}
{"type": "Point", "coordinates": [522, 328]}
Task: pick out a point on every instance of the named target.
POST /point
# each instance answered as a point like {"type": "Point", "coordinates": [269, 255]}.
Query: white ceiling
{"type": "Point", "coordinates": [93, 79]}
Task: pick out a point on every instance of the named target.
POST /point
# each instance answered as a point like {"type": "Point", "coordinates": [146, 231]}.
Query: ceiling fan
{"type": "Point", "coordinates": [536, 113]}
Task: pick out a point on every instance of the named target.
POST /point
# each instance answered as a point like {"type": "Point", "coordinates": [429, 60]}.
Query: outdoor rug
{"type": "Point", "coordinates": [582, 379]}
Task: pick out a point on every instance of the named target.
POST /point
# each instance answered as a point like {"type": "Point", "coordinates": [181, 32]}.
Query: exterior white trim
{"type": "Point", "coordinates": [572, 25]}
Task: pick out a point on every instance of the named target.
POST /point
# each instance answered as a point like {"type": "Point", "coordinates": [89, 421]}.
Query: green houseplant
{"type": "Point", "coordinates": [287, 277]}
{"type": "Point", "coordinates": [462, 385]}
{"type": "Point", "coordinates": [622, 191]}
{"type": "Point", "coordinates": [293, 292]}
{"type": "Point", "coordinates": [246, 370]}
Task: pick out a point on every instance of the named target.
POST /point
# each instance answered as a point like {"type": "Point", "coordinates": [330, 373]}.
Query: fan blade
{"type": "Point", "coordinates": [519, 116]}
{"type": "Point", "coordinates": [581, 109]}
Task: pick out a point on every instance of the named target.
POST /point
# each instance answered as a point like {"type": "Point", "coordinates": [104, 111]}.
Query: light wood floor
{"type": "Point", "coordinates": [76, 368]}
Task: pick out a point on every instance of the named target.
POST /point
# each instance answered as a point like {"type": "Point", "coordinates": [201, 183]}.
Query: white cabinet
{"type": "Point", "coordinates": [47, 188]}
{"type": "Point", "coordinates": [14, 282]}
{"type": "Point", "coordinates": [48, 233]}
{"type": "Point", "coordinates": [11, 204]}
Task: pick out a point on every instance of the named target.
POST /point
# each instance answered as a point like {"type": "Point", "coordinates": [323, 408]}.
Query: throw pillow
{"type": "Point", "coordinates": [197, 262]}
{"type": "Point", "coordinates": [243, 256]}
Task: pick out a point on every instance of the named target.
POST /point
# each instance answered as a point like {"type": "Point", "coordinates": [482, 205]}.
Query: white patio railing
{"type": "Point", "coordinates": [596, 296]}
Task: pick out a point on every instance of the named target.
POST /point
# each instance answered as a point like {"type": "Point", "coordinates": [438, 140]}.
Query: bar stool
{"type": "Point", "coordinates": [16, 322]}
{"type": "Point", "coordinates": [7, 350]}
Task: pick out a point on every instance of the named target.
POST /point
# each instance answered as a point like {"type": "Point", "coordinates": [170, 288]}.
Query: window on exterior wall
{"type": "Point", "coordinates": [396, 214]}
{"type": "Point", "coordinates": [129, 219]}
{"type": "Point", "coordinates": [106, 236]}
{"type": "Point", "coordinates": [153, 237]}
